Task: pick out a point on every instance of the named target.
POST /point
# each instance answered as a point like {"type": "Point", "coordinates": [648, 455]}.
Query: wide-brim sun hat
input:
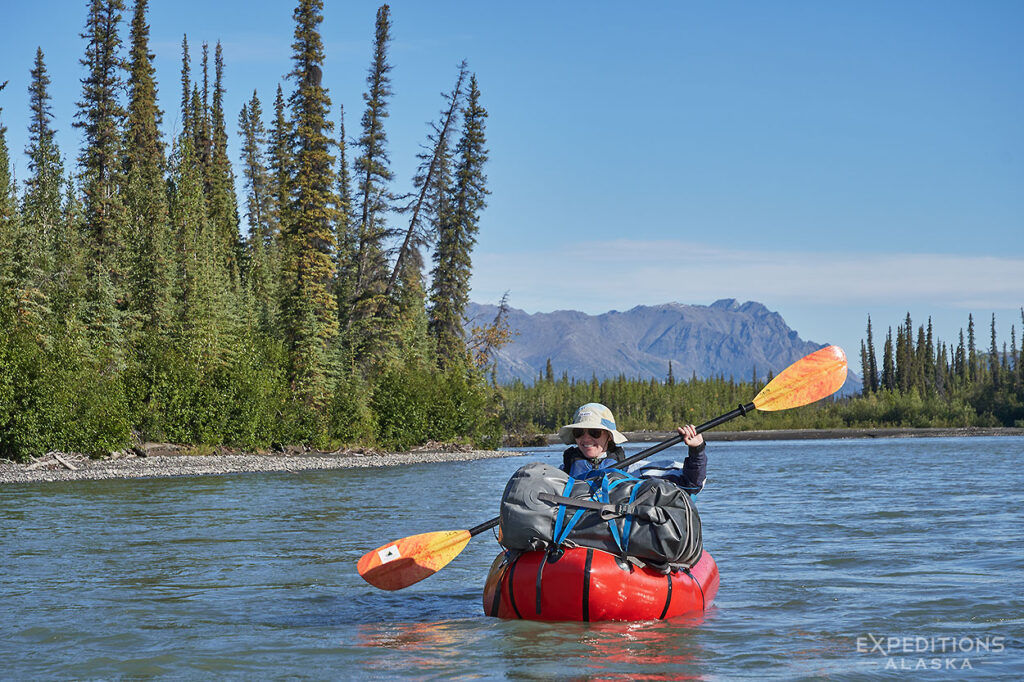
{"type": "Point", "coordinates": [591, 416]}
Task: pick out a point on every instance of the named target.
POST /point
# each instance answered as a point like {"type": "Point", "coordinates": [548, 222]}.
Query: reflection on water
{"type": "Point", "coordinates": [650, 650]}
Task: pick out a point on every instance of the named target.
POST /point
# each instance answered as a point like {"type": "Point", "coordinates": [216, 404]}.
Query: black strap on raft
{"type": "Point", "coordinates": [668, 596]}
{"type": "Point", "coordinates": [496, 602]}
{"type": "Point", "coordinates": [699, 587]}
{"type": "Point", "coordinates": [586, 585]}
{"type": "Point", "coordinates": [608, 511]}
{"type": "Point", "coordinates": [511, 592]}
{"type": "Point", "coordinates": [553, 554]}
{"type": "Point", "coordinates": [538, 588]}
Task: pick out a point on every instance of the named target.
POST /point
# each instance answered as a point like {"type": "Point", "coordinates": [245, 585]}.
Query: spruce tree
{"type": "Point", "coordinates": [345, 236]}
{"type": "Point", "coordinates": [922, 366]}
{"type": "Point", "coordinates": [41, 204]}
{"type": "Point", "coordinates": [281, 164]}
{"type": "Point", "coordinates": [1019, 364]}
{"type": "Point", "coordinates": [201, 117]}
{"type": "Point", "coordinates": [261, 245]}
{"type": "Point", "coordinates": [221, 200]}
{"type": "Point", "coordinates": [9, 216]}
{"type": "Point", "coordinates": [254, 166]}
{"type": "Point", "coordinates": [872, 370]}
{"type": "Point", "coordinates": [432, 193]}
{"type": "Point", "coordinates": [152, 270]}
{"type": "Point", "coordinates": [972, 351]}
{"type": "Point", "coordinates": [942, 377]}
{"type": "Point", "coordinates": [993, 357]}
{"type": "Point", "coordinates": [186, 88]}
{"type": "Point", "coordinates": [962, 369]}
{"type": "Point", "coordinates": [311, 317]}
{"type": "Point", "coordinates": [865, 370]}
{"type": "Point", "coordinates": [373, 176]}
{"type": "Point", "coordinates": [100, 116]}
{"type": "Point", "coordinates": [453, 260]}
{"type": "Point", "coordinates": [202, 281]}
{"type": "Point", "coordinates": [429, 209]}
{"type": "Point", "coordinates": [1012, 365]}
{"type": "Point", "coordinates": [929, 357]}
{"type": "Point", "coordinates": [888, 364]}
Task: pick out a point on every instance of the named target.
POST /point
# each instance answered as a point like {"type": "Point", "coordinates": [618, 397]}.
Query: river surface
{"type": "Point", "coordinates": [839, 559]}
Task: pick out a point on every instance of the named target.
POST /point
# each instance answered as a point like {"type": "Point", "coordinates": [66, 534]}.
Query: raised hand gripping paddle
{"type": "Point", "coordinates": [405, 562]}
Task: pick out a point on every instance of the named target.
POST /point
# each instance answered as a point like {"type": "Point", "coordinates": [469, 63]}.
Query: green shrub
{"type": "Point", "coordinates": [414, 405]}
{"type": "Point", "coordinates": [54, 397]}
{"type": "Point", "coordinates": [351, 420]}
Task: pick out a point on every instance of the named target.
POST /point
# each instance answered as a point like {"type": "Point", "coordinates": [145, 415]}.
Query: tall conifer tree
{"type": "Point", "coordinates": [186, 87]}
{"type": "Point", "coordinates": [432, 181]}
{"type": "Point", "coordinates": [311, 316]}
{"type": "Point", "coordinates": [281, 164]}
{"type": "Point", "coordinates": [406, 321]}
{"type": "Point", "coordinates": [963, 371]}
{"type": "Point", "coordinates": [346, 238]}
{"type": "Point", "coordinates": [888, 364]}
{"type": "Point", "coordinates": [373, 176]}
{"type": "Point", "coordinates": [457, 235]}
{"type": "Point", "coordinates": [993, 356]}
{"type": "Point", "coordinates": [41, 204]}
{"type": "Point", "coordinates": [261, 275]}
{"type": "Point", "coordinates": [9, 215]}
{"type": "Point", "coordinates": [100, 116]}
{"type": "Point", "coordinates": [221, 200]}
{"type": "Point", "coordinates": [146, 197]}
{"type": "Point", "coordinates": [972, 351]}
{"type": "Point", "coordinates": [41, 210]}
{"type": "Point", "coordinates": [871, 370]}
{"type": "Point", "coordinates": [202, 281]}
{"type": "Point", "coordinates": [1020, 358]}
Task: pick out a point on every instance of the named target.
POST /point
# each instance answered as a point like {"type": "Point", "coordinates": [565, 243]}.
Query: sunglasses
{"type": "Point", "coordinates": [594, 433]}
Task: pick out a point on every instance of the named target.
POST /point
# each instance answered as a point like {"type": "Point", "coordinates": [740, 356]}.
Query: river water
{"type": "Point", "coordinates": [839, 559]}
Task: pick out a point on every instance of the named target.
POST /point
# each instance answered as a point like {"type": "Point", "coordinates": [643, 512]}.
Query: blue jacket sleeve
{"type": "Point", "coordinates": [689, 474]}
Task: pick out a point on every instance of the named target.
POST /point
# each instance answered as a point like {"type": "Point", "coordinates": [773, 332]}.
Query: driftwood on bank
{"type": "Point", "coordinates": [48, 459]}
{"type": "Point", "coordinates": [67, 464]}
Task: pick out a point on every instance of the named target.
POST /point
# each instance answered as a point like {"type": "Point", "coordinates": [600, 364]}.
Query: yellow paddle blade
{"type": "Point", "coordinates": [811, 378]}
{"type": "Point", "coordinates": [407, 561]}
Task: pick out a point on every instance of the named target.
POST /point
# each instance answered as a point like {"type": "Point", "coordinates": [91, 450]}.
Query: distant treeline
{"type": "Point", "coordinates": [132, 306]}
{"type": "Point", "coordinates": [922, 383]}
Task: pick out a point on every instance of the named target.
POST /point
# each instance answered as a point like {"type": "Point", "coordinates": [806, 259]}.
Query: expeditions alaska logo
{"type": "Point", "coordinates": [930, 653]}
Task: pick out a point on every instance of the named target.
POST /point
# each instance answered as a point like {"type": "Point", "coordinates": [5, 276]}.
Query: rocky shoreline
{"type": "Point", "coordinates": [163, 460]}
{"type": "Point", "coordinates": [60, 466]}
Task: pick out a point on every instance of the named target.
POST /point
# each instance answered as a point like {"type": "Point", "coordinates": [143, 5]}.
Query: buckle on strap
{"type": "Point", "coordinates": [614, 511]}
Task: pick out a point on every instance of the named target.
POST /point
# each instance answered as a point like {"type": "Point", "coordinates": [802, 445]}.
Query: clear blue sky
{"type": "Point", "coordinates": [829, 159]}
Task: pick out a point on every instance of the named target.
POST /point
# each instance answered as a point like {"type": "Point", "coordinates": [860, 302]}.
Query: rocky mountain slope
{"type": "Point", "coordinates": [727, 339]}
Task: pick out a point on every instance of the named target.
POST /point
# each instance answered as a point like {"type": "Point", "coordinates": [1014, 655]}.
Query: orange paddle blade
{"type": "Point", "coordinates": [811, 378]}
{"type": "Point", "coordinates": [407, 561]}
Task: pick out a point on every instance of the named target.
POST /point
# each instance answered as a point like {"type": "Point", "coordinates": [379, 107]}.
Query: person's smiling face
{"type": "Point", "coordinates": [592, 442]}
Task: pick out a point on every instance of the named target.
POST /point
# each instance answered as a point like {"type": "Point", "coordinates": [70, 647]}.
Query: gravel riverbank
{"type": "Point", "coordinates": [58, 466]}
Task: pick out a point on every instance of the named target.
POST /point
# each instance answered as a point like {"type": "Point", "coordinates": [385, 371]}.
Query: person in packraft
{"type": "Point", "coordinates": [596, 444]}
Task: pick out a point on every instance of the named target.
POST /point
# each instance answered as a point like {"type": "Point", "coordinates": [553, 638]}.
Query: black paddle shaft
{"type": "Point", "coordinates": [740, 411]}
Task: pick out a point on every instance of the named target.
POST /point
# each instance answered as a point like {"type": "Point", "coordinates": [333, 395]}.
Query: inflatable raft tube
{"type": "Point", "coordinates": [590, 585]}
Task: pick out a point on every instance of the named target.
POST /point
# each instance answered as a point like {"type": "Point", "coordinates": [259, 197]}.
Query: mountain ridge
{"type": "Point", "coordinates": [726, 338]}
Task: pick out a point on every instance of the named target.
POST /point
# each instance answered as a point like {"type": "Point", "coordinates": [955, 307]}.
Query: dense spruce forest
{"type": "Point", "coordinates": [137, 304]}
{"type": "Point", "coordinates": [921, 382]}
{"type": "Point", "coordinates": [142, 299]}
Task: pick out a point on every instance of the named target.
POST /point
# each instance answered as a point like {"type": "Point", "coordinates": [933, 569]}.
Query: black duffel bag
{"type": "Point", "coordinates": [648, 519]}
